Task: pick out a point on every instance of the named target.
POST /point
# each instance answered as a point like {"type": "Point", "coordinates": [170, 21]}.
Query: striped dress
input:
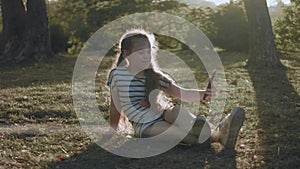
{"type": "Point", "coordinates": [131, 91]}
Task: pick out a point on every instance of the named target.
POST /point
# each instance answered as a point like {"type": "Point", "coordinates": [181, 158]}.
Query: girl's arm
{"type": "Point", "coordinates": [114, 113]}
{"type": "Point", "coordinates": [114, 116]}
{"type": "Point", "coordinates": [118, 120]}
{"type": "Point", "coordinates": [187, 95]}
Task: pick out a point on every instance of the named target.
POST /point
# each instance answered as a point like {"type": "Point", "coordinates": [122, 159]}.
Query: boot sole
{"type": "Point", "coordinates": [238, 117]}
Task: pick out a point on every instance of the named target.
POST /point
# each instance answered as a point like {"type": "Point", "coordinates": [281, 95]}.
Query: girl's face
{"type": "Point", "coordinates": [139, 57]}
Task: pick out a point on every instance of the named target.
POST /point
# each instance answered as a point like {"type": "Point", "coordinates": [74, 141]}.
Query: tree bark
{"type": "Point", "coordinates": [25, 30]}
{"type": "Point", "coordinates": [13, 19]}
{"type": "Point", "coordinates": [36, 37]}
{"type": "Point", "coordinates": [262, 49]}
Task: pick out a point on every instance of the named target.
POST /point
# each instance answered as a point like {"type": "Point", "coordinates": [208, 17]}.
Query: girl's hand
{"type": "Point", "coordinates": [207, 95]}
{"type": "Point", "coordinates": [208, 92]}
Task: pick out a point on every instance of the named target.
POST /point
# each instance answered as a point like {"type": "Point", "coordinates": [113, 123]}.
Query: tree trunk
{"type": "Point", "coordinates": [25, 30]}
{"type": "Point", "coordinates": [13, 19]}
{"type": "Point", "coordinates": [262, 49]}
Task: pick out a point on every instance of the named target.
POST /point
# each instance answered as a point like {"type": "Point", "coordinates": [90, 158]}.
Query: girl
{"type": "Point", "coordinates": [136, 86]}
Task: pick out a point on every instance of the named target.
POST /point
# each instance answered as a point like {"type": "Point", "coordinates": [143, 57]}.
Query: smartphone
{"type": "Point", "coordinates": [210, 82]}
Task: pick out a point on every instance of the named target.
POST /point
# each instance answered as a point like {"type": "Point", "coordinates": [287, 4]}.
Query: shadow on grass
{"type": "Point", "coordinates": [41, 116]}
{"type": "Point", "coordinates": [179, 157]}
{"type": "Point", "coordinates": [279, 117]}
{"type": "Point", "coordinates": [58, 69]}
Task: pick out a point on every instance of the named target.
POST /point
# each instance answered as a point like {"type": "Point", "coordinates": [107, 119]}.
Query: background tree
{"type": "Point", "coordinates": [25, 31]}
{"type": "Point", "coordinates": [262, 49]}
{"type": "Point", "coordinates": [202, 18]}
{"type": "Point", "coordinates": [231, 26]}
{"type": "Point", "coordinates": [226, 26]}
{"type": "Point", "coordinates": [287, 28]}
{"type": "Point", "coordinates": [73, 22]}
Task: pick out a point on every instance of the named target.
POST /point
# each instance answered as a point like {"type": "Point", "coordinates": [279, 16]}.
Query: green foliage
{"type": "Point", "coordinates": [76, 44]}
{"type": "Point", "coordinates": [58, 38]}
{"type": "Point", "coordinates": [203, 19]}
{"type": "Point", "coordinates": [69, 19]}
{"type": "Point", "coordinates": [226, 26]}
{"type": "Point", "coordinates": [79, 19]}
{"type": "Point", "coordinates": [231, 26]}
{"type": "Point", "coordinates": [72, 22]}
{"type": "Point", "coordinates": [287, 29]}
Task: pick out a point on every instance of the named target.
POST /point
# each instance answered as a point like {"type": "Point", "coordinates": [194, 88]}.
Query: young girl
{"type": "Point", "coordinates": [136, 87]}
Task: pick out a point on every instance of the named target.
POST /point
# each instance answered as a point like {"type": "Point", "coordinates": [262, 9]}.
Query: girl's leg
{"type": "Point", "coordinates": [200, 125]}
{"type": "Point", "coordinates": [171, 114]}
{"type": "Point", "coordinates": [161, 126]}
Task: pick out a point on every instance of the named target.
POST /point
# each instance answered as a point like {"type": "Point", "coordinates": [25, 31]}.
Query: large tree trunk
{"type": "Point", "coordinates": [13, 19]}
{"type": "Point", "coordinates": [25, 30]}
{"type": "Point", "coordinates": [262, 49]}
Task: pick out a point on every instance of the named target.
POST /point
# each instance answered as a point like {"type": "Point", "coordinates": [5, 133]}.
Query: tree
{"type": "Point", "coordinates": [287, 28]}
{"type": "Point", "coordinates": [77, 20]}
{"type": "Point", "coordinates": [232, 27]}
{"type": "Point", "coordinates": [262, 49]}
{"type": "Point", "coordinates": [25, 32]}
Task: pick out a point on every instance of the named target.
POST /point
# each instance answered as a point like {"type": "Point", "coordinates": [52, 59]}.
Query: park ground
{"type": "Point", "coordinates": [39, 127]}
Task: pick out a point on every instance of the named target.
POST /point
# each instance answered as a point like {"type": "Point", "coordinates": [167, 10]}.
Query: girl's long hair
{"type": "Point", "coordinates": [153, 74]}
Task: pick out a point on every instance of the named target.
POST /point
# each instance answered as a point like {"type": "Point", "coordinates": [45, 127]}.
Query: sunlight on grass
{"type": "Point", "coordinates": [39, 125]}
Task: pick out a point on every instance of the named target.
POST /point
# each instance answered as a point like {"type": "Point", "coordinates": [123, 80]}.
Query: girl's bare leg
{"type": "Point", "coordinates": [161, 126]}
{"type": "Point", "coordinates": [186, 117]}
{"type": "Point", "coordinates": [171, 115]}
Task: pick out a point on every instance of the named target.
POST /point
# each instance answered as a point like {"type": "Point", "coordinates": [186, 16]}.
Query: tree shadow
{"type": "Point", "coordinates": [179, 157]}
{"type": "Point", "coordinates": [279, 114]}
{"type": "Point", "coordinates": [57, 69]}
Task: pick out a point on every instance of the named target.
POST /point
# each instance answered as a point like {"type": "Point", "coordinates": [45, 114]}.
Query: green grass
{"type": "Point", "coordinates": [40, 129]}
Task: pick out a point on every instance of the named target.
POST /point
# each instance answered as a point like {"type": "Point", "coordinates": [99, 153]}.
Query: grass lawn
{"type": "Point", "coordinates": [39, 127]}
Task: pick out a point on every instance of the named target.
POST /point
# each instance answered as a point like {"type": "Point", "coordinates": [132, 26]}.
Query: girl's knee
{"type": "Point", "coordinates": [170, 115]}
